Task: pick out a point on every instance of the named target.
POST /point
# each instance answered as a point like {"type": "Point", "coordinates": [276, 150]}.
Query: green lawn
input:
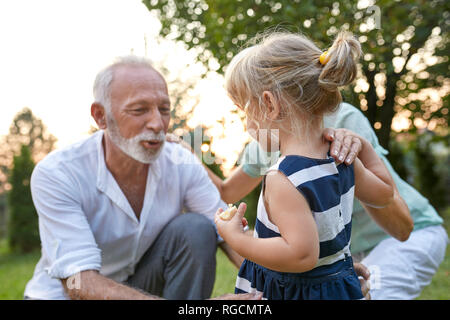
{"type": "Point", "coordinates": [226, 274]}
{"type": "Point", "coordinates": [16, 270]}
{"type": "Point", "coordinates": [439, 289]}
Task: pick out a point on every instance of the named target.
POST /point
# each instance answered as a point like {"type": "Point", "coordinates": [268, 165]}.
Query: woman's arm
{"type": "Point", "coordinates": [394, 218]}
{"type": "Point", "coordinates": [297, 250]}
{"type": "Point", "coordinates": [233, 188]}
{"type": "Point", "coordinates": [236, 186]}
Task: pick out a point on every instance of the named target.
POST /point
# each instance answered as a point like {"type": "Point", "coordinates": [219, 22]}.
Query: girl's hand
{"type": "Point", "coordinates": [345, 144]}
{"type": "Point", "coordinates": [227, 229]}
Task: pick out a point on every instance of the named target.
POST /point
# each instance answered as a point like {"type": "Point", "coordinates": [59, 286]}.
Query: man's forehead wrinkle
{"type": "Point", "coordinates": [129, 90]}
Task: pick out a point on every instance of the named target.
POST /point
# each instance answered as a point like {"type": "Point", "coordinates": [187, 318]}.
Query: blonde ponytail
{"type": "Point", "coordinates": [341, 67]}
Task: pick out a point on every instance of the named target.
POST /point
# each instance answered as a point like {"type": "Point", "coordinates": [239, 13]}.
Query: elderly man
{"type": "Point", "coordinates": [110, 207]}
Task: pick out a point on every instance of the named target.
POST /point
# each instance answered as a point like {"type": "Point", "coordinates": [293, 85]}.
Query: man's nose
{"type": "Point", "coordinates": [154, 121]}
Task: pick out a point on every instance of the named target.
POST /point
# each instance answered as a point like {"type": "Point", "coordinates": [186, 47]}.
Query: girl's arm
{"type": "Point", "coordinates": [297, 250]}
{"type": "Point", "coordinates": [376, 190]}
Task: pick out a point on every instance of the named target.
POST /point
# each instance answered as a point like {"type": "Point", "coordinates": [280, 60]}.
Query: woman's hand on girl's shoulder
{"type": "Point", "coordinates": [170, 137]}
{"type": "Point", "coordinates": [345, 144]}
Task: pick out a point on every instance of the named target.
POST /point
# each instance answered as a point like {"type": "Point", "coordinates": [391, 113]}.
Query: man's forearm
{"type": "Point", "coordinates": [93, 286]}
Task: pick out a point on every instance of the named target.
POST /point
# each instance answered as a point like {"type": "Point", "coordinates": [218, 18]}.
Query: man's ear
{"type": "Point", "coordinates": [273, 107]}
{"type": "Point", "coordinates": [99, 114]}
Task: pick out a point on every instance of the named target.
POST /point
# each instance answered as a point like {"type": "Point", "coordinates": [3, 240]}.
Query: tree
{"type": "Point", "coordinates": [432, 170]}
{"type": "Point", "coordinates": [26, 129]}
{"type": "Point", "coordinates": [23, 221]}
{"type": "Point", "coordinates": [405, 46]}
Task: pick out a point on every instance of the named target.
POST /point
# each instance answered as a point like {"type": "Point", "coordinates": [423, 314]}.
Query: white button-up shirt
{"type": "Point", "coordinates": [86, 222]}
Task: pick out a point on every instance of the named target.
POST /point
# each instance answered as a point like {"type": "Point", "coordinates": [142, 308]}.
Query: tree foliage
{"type": "Point", "coordinates": [23, 220]}
{"type": "Point", "coordinates": [26, 129]}
{"type": "Point", "coordinates": [432, 168]}
{"type": "Point", "coordinates": [405, 45]}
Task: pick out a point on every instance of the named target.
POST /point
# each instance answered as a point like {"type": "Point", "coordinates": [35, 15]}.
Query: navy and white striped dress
{"type": "Point", "coordinates": [329, 191]}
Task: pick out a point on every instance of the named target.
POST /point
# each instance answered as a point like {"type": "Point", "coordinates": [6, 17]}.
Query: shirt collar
{"type": "Point", "coordinates": [109, 186]}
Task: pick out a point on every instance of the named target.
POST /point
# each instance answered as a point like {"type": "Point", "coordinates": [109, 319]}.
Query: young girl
{"type": "Point", "coordinates": [301, 243]}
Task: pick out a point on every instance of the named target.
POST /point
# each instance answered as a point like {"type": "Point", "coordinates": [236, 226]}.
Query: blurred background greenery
{"type": "Point", "coordinates": [403, 83]}
{"type": "Point", "coordinates": [402, 88]}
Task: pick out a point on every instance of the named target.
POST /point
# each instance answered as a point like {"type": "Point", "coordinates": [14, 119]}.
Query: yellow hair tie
{"type": "Point", "coordinates": [323, 59]}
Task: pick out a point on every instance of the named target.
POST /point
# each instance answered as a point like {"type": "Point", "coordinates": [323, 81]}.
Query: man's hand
{"type": "Point", "coordinates": [363, 275]}
{"type": "Point", "coordinates": [345, 144]}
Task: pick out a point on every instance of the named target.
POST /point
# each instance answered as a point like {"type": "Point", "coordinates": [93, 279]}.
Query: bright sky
{"type": "Point", "coordinates": [52, 50]}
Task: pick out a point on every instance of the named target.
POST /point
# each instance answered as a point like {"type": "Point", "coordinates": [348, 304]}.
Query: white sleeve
{"type": "Point", "coordinates": [65, 233]}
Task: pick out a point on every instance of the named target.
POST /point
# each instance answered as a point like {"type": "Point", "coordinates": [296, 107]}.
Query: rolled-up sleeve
{"type": "Point", "coordinates": [255, 161]}
{"type": "Point", "coordinates": [66, 236]}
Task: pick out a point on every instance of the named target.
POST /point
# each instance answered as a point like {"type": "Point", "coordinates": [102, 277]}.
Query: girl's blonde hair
{"type": "Point", "coordinates": [287, 65]}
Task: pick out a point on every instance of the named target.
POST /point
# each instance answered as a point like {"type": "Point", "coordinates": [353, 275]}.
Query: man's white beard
{"type": "Point", "coordinates": [132, 146]}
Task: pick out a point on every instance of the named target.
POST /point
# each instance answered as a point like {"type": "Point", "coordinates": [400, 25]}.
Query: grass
{"type": "Point", "coordinates": [439, 289]}
{"type": "Point", "coordinates": [17, 269]}
{"type": "Point", "coordinates": [226, 274]}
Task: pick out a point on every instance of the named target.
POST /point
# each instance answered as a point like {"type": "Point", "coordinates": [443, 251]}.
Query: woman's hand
{"type": "Point", "coordinates": [170, 137]}
{"type": "Point", "coordinates": [345, 144]}
{"type": "Point", "coordinates": [227, 229]}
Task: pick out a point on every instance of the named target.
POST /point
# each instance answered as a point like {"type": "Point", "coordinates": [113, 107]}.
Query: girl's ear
{"type": "Point", "coordinates": [273, 107]}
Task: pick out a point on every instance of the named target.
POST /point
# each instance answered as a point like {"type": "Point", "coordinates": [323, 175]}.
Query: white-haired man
{"type": "Point", "coordinates": [110, 207]}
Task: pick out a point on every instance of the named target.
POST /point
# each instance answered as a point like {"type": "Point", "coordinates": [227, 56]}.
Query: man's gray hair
{"type": "Point", "coordinates": [102, 83]}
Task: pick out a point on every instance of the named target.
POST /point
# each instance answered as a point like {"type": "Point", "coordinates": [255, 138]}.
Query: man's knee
{"type": "Point", "coordinates": [195, 230]}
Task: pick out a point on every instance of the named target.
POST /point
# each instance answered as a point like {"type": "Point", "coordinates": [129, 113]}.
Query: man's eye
{"type": "Point", "coordinates": [164, 110]}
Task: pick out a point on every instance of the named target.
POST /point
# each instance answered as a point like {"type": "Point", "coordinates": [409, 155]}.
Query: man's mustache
{"type": "Point", "coordinates": [146, 136]}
